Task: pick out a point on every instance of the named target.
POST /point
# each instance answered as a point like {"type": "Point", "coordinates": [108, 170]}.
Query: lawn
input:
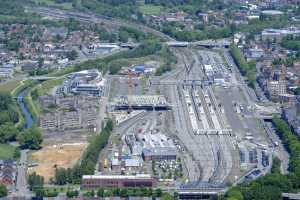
{"type": "Point", "coordinates": [151, 9]}
{"type": "Point", "coordinates": [6, 151]}
{"type": "Point", "coordinates": [9, 86]}
{"type": "Point", "coordinates": [45, 87]}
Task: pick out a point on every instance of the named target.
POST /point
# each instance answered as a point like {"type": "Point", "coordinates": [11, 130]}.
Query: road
{"type": "Point", "coordinates": [21, 185]}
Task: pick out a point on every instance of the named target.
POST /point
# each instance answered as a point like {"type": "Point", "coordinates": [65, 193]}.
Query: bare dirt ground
{"type": "Point", "coordinates": [61, 155]}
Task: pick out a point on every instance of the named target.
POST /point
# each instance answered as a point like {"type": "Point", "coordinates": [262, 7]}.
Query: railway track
{"type": "Point", "coordinates": [207, 156]}
{"type": "Point", "coordinates": [94, 18]}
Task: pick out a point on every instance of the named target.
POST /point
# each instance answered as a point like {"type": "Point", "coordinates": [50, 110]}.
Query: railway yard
{"type": "Point", "coordinates": [207, 118]}
{"type": "Point", "coordinates": [148, 99]}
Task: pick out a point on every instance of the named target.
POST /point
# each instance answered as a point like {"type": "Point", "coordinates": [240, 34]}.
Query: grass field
{"type": "Point", "coordinates": [45, 87]}
{"type": "Point", "coordinates": [9, 86]}
{"type": "Point", "coordinates": [6, 151]}
{"type": "Point", "coordinates": [151, 9]}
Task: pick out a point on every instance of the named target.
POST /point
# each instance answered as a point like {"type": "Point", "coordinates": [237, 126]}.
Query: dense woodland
{"type": "Point", "coordinates": [8, 117]}
{"type": "Point", "coordinates": [30, 138]}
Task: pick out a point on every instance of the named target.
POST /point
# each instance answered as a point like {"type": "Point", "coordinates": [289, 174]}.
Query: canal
{"type": "Point", "coordinates": [25, 111]}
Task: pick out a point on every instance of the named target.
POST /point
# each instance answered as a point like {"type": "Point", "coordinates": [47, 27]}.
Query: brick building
{"type": "Point", "coordinates": [117, 181]}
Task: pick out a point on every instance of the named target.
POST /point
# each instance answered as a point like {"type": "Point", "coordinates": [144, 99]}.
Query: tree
{"type": "Point", "coordinates": [246, 70]}
{"type": "Point", "coordinates": [34, 94]}
{"type": "Point", "coordinates": [90, 193]}
{"type": "Point", "coordinates": [17, 153]}
{"type": "Point", "coordinates": [31, 138]}
{"type": "Point", "coordinates": [72, 194]}
{"type": "Point", "coordinates": [5, 100]}
{"type": "Point", "coordinates": [276, 166]}
{"type": "Point", "coordinates": [8, 109]}
{"type": "Point", "coordinates": [91, 154]}
{"type": "Point", "coordinates": [166, 196]}
{"type": "Point", "coordinates": [40, 62]}
{"type": "Point", "coordinates": [3, 191]}
{"type": "Point", "coordinates": [61, 176]}
{"type": "Point", "coordinates": [158, 192]}
{"type": "Point", "coordinates": [297, 91]}
{"type": "Point", "coordinates": [123, 36]}
{"type": "Point", "coordinates": [35, 181]}
{"type": "Point", "coordinates": [123, 192]}
{"type": "Point", "coordinates": [72, 55]}
{"type": "Point", "coordinates": [100, 192]}
{"type": "Point", "coordinates": [13, 45]}
{"type": "Point", "coordinates": [116, 65]}
{"type": "Point", "coordinates": [8, 132]}
{"type": "Point", "coordinates": [235, 193]}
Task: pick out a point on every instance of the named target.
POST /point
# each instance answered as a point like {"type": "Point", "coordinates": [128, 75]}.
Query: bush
{"type": "Point", "coordinates": [3, 191]}
{"type": "Point", "coordinates": [72, 194]}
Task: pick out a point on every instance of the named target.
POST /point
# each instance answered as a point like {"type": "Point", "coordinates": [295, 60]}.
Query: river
{"type": "Point", "coordinates": [27, 115]}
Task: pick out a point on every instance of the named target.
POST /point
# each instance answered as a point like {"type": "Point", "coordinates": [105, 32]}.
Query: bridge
{"type": "Point", "coordinates": [178, 44]}
{"type": "Point", "coordinates": [129, 45]}
{"type": "Point", "coordinates": [204, 43]}
{"type": "Point", "coordinates": [118, 45]}
{"type": "Point", "coordinates": [41, 78]}
{"type": "Point", "coordinates": [200, 190]}
{"type": "Point", "coordinates": [221, 43]}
